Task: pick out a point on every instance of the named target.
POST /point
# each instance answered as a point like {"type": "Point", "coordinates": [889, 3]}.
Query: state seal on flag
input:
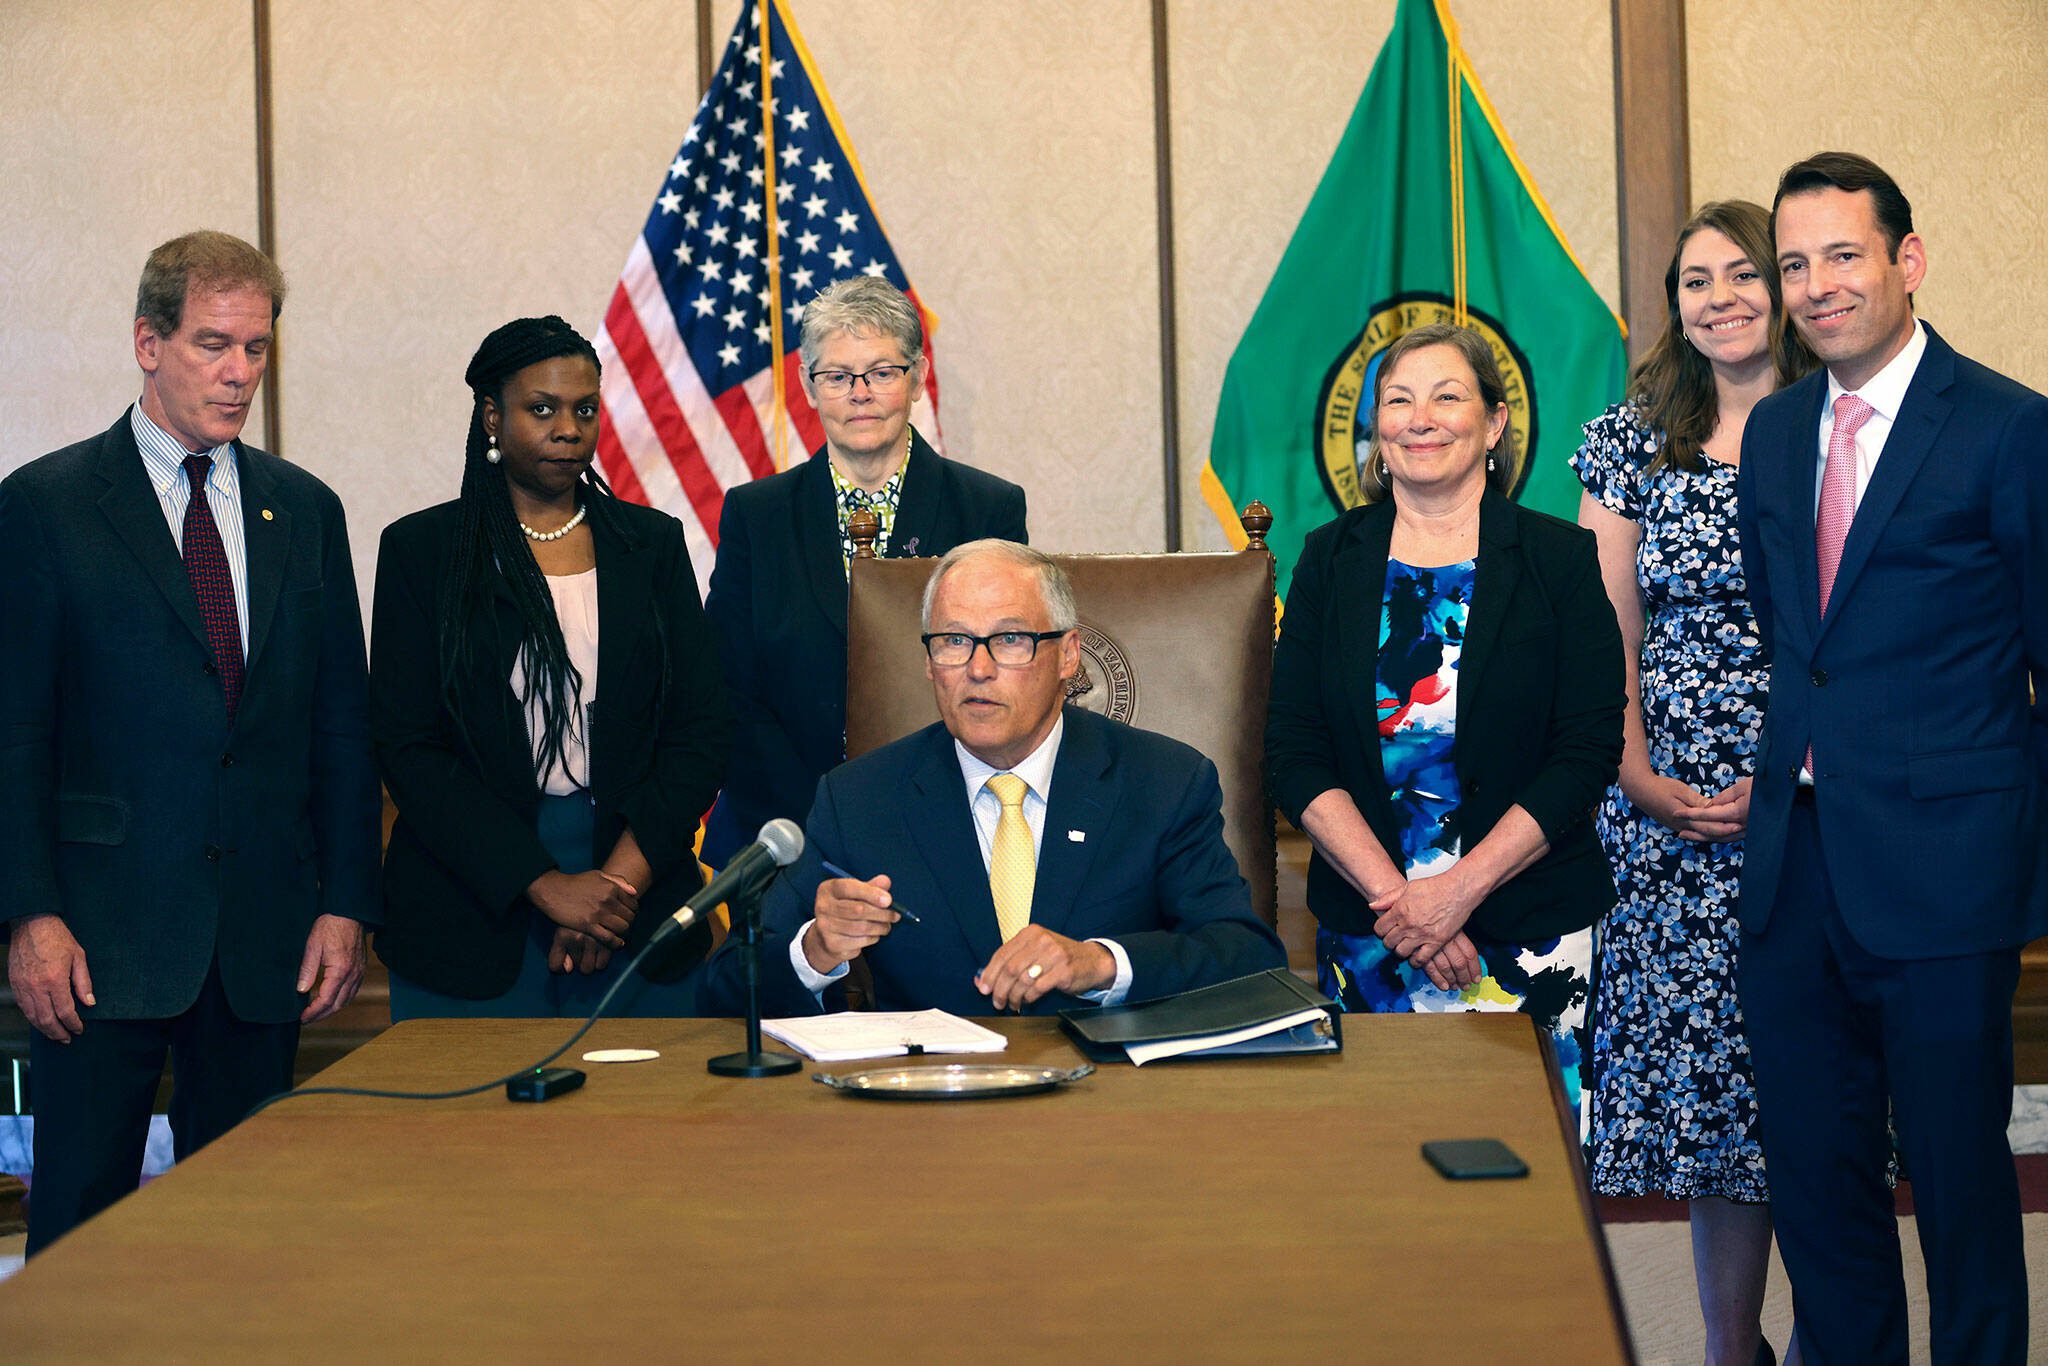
{"type": "Point", "coordinates": [1343, 437]}
{"type": "Point", "coordinates": [1104, 683]}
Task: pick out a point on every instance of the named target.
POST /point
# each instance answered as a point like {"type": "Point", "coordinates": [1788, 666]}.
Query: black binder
{"type": "Point", "coordinates": [1102, 1032]}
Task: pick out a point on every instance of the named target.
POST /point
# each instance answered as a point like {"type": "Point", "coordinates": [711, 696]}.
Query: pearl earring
{"type": "Point", "coordinates": [1490, 466]}
{"type": "Point", "coordinates": [494, 455]}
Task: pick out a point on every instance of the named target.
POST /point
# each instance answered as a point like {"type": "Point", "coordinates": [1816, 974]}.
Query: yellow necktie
{"type": "Point", "coordinates": [1012, 868]}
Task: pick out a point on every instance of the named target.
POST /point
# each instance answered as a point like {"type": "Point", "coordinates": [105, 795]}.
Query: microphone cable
{"type": "Point", "coordinates": [780, 843]}
{"type": "Point", "coordinates": [603, 1004]}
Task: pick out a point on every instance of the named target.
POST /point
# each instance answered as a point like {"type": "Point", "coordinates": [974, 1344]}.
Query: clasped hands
{"type": "Point", "coordinates": [1694, 816]}
{"type": "Point", "coordinates": [592, 912]}
{"type": "Point", "coordinates": [1423, 920]}
{"type": "Point", "coordinates": [848, 915]}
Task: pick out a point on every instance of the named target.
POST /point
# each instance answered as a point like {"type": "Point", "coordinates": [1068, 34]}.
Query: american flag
{"type": "Point", "coordinates": [700, 326]}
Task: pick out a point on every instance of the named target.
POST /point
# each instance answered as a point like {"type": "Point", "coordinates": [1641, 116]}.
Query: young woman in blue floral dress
{"type": "Point", "coordinates": [1673, 1105]}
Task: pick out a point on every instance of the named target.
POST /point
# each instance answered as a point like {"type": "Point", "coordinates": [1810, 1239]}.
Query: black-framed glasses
{"type": "Point", "coordinates": [1011, 649]}
{"type": "Point", "coordinates": [880, 379]}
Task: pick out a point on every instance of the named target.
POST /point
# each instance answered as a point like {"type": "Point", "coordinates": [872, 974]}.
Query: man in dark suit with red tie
{"type": "Point", "coordinates": [1894, 520]}
{"type": "Point", "coordinates": [190, 849]}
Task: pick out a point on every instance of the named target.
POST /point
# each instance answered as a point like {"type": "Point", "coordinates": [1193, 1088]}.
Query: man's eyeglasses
{"type": "Point", "coordinates": [1010, 649]}
{"type": "Point", "coordinates": [880, 379]}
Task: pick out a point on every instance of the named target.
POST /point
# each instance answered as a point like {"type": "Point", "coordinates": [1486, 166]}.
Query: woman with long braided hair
{"type": "Point", "coordinates": [547, 709]}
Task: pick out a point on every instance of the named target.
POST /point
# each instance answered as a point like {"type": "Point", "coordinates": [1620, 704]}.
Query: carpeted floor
{"type": "Point", "coordinates": [1654, 1264]}
{"type": "Point", "coordinates": [1652, 1250]}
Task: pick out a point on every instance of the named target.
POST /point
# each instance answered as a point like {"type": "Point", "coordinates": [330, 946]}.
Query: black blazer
{"type": "Point", "coordinates": [1540, 699]}
{"type": "Point", "coordinates": [778, 594]}
{"type": "Point", "coordinates": [466, 846]}
{"type": "Point", "coordinates": [164, 835]}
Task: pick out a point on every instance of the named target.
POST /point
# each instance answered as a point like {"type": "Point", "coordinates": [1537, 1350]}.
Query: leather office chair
{"type": "Point", "coordinates": [1181, 644]}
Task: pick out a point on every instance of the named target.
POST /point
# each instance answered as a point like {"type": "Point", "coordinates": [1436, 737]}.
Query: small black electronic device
{"type": "Point", "coordinates": [1474, 1159]}
{"type": "Point", "coordinates": [543, 1083]}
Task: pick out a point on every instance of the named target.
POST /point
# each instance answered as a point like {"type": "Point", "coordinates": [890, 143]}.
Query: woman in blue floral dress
{"type": "Point", "coordinates": [1673, 1103]}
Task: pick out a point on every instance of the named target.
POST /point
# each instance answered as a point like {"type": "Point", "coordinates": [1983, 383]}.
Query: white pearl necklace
{"type": "Point", "coordinates": [559, 532]}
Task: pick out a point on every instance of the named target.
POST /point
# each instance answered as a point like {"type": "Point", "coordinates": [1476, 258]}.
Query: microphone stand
{"type": "Point", "coordinates": [746, 918]}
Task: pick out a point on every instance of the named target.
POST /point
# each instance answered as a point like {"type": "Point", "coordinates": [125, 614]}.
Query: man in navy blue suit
{"type": "Point", "coordinates": [1052, 857]}
{"type": "Point", "coordinates": [1894, 520]}
{"type": "Point", "coordinates": [189, 852]}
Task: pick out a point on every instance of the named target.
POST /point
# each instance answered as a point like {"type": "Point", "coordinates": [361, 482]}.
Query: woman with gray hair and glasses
{"type": "Point", "coordinates": [778, 588]}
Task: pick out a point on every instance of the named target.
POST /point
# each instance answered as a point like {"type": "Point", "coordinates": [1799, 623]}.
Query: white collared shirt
{"type": "Point", "coordinates": [1885, 393]}
{"type": "Point", "coordinates": [1036, 771]}
{"type": "Point", "coordinates": [163, 461]}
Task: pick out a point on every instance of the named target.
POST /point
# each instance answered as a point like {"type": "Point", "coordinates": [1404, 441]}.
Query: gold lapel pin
{"type": "Point", "coordinates": [266, 515]}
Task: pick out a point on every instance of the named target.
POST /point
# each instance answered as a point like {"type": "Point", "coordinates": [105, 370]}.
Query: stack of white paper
{"type": "Point", "coordinates": [855, 1034]}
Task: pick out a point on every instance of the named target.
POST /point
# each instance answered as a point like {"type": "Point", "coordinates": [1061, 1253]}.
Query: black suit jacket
{"type": "Point", "coordinates": [466, 846]}
{"type": "Point", "coordinates": [778, 594]}
{"type": "Point", "coordinates": [1540, 699]}
{"type": "Point", "coordinates": [1149, 870]}
{"type": "Point", "coordinates": [162, 833]}
{"type": "Point", "coordinates": [1913, 689]}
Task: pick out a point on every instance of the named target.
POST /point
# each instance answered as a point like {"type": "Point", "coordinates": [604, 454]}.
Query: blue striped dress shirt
{"type": "Point", "coordinates": [163, 459]}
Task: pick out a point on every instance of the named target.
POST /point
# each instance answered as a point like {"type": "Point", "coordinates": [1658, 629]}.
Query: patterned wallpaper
{"type": "Point", "coordinates": [1949, 99]}
{"type": "Point", "coordinates": [1009, 151]}
{"type": "Point", "coordinates": [442, 168]}
{"type": "Point", "coordinates": [120, 126]}
{"type": "Point", "coordinates": [443, 165]}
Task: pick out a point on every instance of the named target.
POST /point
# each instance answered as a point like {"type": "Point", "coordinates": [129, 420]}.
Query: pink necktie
{"type": "Point", "coordinates": [1837, 499]}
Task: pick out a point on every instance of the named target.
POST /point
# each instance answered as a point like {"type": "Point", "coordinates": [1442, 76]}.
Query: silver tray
{"type": "Point", "coordinates": [951, 1081]}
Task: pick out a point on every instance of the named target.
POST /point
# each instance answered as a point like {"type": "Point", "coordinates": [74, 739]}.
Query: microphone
{"type": "Point", "coordinates": [780, 844]}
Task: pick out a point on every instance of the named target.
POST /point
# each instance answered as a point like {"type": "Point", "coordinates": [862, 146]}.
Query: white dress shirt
{"type": "Point", "coordinates": [1885, 393]}
{"type": "Point", "coordinates": [1036, 771]}
{"type": "Point", "coordinates": [163, 460]}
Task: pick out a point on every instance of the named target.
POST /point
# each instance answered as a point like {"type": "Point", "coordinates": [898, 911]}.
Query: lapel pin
{"type": "Point", "coordinates": [266, 515]}
{"type": "Point", "coordinates": [1077, 836]}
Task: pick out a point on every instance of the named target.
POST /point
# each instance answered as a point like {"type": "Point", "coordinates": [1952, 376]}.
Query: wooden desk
{"type": "Point", "coordinates": [1239, 1210]}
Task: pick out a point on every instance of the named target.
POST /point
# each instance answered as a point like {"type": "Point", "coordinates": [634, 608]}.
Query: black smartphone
{"type": "Point", "coordinates": [1474, 1159]}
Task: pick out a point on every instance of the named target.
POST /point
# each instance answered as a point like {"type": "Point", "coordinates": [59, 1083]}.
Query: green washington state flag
{"type": "Point", "coordinates": [1424, 215]}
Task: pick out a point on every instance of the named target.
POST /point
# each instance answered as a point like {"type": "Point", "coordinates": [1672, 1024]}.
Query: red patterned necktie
{"type": "Point", "coordinates": [206, 563]}
{"type": "Point", "coordinates": [1837, 499]}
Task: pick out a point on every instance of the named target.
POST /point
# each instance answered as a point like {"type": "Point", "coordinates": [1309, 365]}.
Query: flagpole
{"type": "Point", "coordinates": [775, 352]}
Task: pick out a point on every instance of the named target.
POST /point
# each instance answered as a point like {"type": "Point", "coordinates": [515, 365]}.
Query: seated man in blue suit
{"type": "Point", "coordinates": [1051, 857]}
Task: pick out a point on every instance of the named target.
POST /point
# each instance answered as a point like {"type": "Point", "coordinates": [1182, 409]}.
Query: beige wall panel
{"type": "Point", "coordinates": [1009, 152]}
{"type": "Point", "coordinates": [1261, 94]}
{"type": "Point", "coordinates": [121, 125]}
{"type": "Point", "coordinates": [441, 169]}
{"type": "Point", "coordinates": [1947, 98]}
